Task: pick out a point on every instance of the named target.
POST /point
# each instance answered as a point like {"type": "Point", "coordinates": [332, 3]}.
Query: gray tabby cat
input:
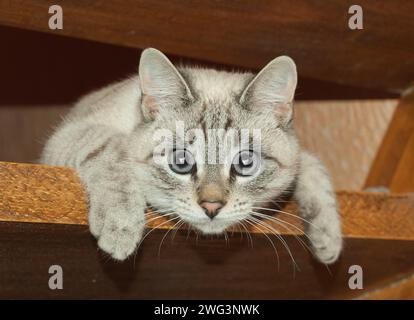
{"type": "Point", "coordinates": [108, 137]}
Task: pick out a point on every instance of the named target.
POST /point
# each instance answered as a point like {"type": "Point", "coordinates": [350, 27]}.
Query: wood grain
{"type": "Point", "coordinates": [187, 267]}
{"type": "Point", "coordinates": [37, 193]}
{"type": "Point", "coordinates": [41, 194]}
{"type": "Point", "coordinates": [246, 33]}
{"type": "Point", "coordinates": [61, 69]}
{"type": "Point", "coordinates": [393, 166]}
{"type": "Point", "coordinates": [399, 289]}
{"type": "Point", "coordinates": [345, 135]}
{"type": "Point", "coordinates": [403, 180]}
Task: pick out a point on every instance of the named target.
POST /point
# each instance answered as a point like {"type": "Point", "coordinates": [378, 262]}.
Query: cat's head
{"type": "Point", "coordinates": [202, 166]}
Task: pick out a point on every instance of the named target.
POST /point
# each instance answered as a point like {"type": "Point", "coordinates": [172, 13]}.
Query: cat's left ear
{"type": "Point", "coordinates": [273, 88]}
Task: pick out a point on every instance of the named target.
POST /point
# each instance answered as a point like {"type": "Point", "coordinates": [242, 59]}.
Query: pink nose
{"type": "Point", "coordinates": [211, 208]}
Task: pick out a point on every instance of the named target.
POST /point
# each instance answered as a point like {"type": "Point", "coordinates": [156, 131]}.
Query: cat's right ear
{"type": "Point", "coordinates": [162, 86]}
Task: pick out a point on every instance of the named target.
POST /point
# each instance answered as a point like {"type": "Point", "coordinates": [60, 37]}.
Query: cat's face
{"type": "Point", "coordinates": [222, 142]}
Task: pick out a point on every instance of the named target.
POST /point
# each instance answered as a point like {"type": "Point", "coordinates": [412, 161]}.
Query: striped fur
{"type": "Point", "coordinates": [108, 137]}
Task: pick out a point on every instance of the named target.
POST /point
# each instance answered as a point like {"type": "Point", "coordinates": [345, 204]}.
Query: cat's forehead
{"type": "Point", "coordinates": [213, 85]}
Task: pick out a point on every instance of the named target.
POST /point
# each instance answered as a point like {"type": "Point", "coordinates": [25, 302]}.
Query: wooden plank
{"type": "Point", "coordinates": [399, 289]}
{"type": "Point", "coordinates": [61, 69]}
{"type": "Point", "coordinates": [187, 268]}
{"type": "Point", "coordinates": [393, 166]}
{"type": "Point", "coordinates": [246, 33]}
{"type": "Point", "coordinates": [43, 221]}
{"type": "Point", "coordinates": [345, 135]}
{"type": "Point", "coordinates": [403, 180]}
{"type": "Point", "coordinates": [38, 193]}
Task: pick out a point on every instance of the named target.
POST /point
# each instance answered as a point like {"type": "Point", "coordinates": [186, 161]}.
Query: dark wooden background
{"type": "Point", "coordinates": [186, 268]}
{"type": "Point", "coordinates": [247, 33]}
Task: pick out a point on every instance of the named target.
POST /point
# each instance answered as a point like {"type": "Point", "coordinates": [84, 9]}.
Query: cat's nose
{"type": "Point", "coordinates": [212, 208]}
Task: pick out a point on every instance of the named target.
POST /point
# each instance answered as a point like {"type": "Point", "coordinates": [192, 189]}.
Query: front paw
{"type": "Point", "coordinates": [326, 238]}
{"type": "Point", "coordinates": [326, 247]}
{"type": "Point", "coordinates": [120, 243]}
{"type": "Point", "coordinates": [118, 228]}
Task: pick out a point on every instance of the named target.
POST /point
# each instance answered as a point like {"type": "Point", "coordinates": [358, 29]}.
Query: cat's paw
{"type": "Point", "coordinates": [326, 238]}
{"type": "Point", "coordinates": [120, 243]}
{"type": "Point", "coordinates": [325, 247]}
{"type": "Point", "coordinates": [117, 226]}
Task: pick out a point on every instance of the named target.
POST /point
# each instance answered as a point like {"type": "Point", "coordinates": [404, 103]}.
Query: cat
{"type": "Point", "coordinates": [108, 137]}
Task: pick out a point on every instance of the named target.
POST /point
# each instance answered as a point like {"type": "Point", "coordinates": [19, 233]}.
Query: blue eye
{"type": "Point", "coordinates": [181, 161]}
{"type": "Point", "coordinates": [246, 163]}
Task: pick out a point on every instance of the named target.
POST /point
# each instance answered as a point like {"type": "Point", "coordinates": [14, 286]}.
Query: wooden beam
{"type": "Point", "coordinates": [61, 69]}
{"type": "Point", "coordinates": [246, 33]}
{"type": "Point", "coordinates": [399, 289]}
{"type": "Point", "coordinates": [38, 193]}
{"type": "Point", "coordinates": [188, 267]}
{"type": "Point", "coordinates": [393, 166]}
{"type": "Point", "coordinates": [43, 221]}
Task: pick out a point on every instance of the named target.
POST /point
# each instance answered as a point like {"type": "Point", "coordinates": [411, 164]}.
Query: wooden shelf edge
{"type": "Point", "coordinates": [401, 288]}
{"type": "Point", "coordinates": [45, 194]}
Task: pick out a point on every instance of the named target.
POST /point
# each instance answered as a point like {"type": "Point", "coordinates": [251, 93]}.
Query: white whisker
{"type": "Point", "coordinates": [273, 245]}
{"type": "Point", "coordinates": [249, 237]}
{"type": "Point", "coordinates": [282, 223]}
{"type": "Point", "coordinates": [274, 232]}
{"type": "Point", "coordinates": [176, 230]}
{"type": "Point", "coordinates": [165, 235]}
{"type": "Point", "coordinates": [287, 213]}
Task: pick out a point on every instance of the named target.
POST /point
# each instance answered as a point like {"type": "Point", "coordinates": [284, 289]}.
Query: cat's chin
{"type": "Point", "coordinates": [211, 227]}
